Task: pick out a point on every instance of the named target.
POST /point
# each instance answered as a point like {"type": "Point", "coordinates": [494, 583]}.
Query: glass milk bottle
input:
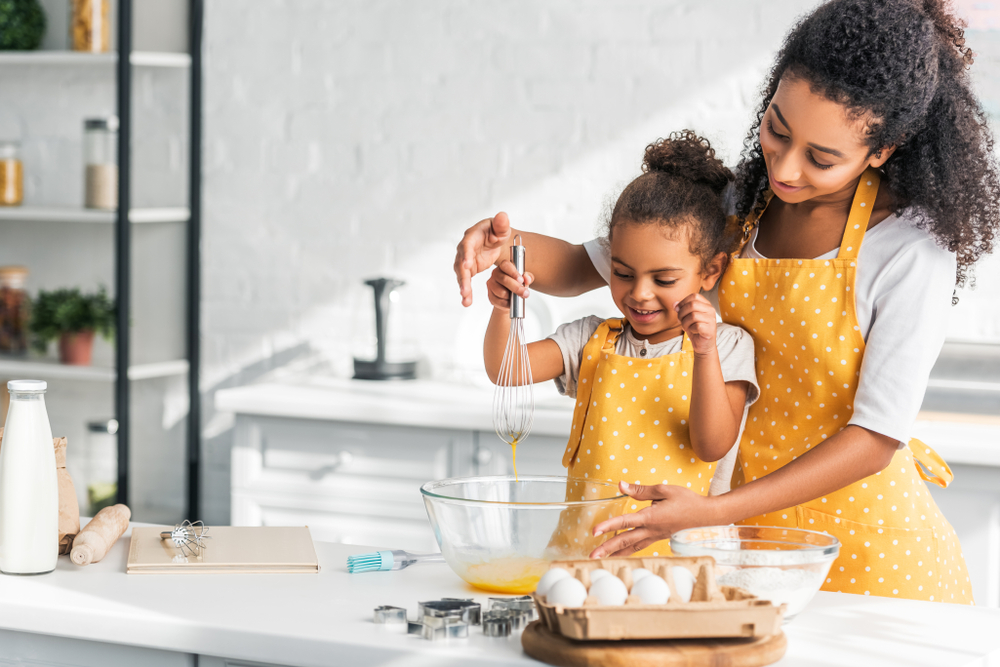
{"type": "Point", "coordinates": [29, 495]}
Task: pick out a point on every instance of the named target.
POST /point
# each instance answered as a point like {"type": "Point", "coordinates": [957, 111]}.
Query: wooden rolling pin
{"type": "Point", "coordinates": [95, 540]}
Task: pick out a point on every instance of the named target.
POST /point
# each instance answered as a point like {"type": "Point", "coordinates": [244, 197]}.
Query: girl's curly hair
{"type": "Point", "coordinates": [902, 66]}
{"type": "Point", "coordinates": [681, 187]}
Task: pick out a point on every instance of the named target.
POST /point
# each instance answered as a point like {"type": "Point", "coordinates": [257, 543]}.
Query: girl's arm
{"type": "Point", "coordinates": [544, 356]}
{"type": "Point", "coordinates": [841, 460]}
{"type": "Point", "coordinates": [716, 405]}
{"type": "Point", "coordinates": [560, 268]}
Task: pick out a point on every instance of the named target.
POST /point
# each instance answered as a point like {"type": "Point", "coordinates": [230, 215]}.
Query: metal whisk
{"type": "Point", "coordinates": [514, 396]}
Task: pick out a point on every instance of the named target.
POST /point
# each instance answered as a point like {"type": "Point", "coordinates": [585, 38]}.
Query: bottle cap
{"type": "Point", "coordinates": [27, 385]}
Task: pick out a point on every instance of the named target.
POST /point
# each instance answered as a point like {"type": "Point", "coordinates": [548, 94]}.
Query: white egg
{"type": "Point", "coordinates": [550, 578]}
{"type": "Point", "coordinates": [609, 591]}
{"type": "Point", "coordinates": [568, 592]}
{"type": "Point", "coordinates": [639, 573]}
{"type": "Point", "coordinates": [651, 590]}
{"type": "Point", "coordinates": [598, 574]}
{"type": "Point", "coordinates": [683, 582]}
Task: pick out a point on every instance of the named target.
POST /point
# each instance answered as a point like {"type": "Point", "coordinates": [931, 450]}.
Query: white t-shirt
{"type": "Point", "coordinates": [904, 288]}
{"type": "Point", "coordinates": [736, 357]}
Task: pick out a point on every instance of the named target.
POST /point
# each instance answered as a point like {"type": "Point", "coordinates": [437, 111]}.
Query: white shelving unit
{"type": "Point", "coordinates": [139, 58]}
{"type": "Point", "coordinates": [51, 370]}
{"type": "Point", "coordinates": [89, 215]}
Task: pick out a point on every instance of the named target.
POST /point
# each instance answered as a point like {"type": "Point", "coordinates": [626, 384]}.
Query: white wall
{"type": "Point", "coordinates": [350, 139]}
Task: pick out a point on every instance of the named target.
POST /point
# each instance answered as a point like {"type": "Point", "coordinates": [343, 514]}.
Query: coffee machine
{"type": "Point", "coordinates": [379, 368]}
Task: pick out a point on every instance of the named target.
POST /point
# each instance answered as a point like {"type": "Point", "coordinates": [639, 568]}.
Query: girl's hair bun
{"type": "Point", "coordinates": [686, 155]}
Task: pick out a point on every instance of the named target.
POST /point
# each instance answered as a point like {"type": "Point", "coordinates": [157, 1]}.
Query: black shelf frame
{"type": "Point", "coordinates": [123, 257]}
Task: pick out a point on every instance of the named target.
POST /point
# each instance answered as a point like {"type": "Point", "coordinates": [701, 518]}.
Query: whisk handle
{"type": "Point", "coordinates": [517, 302]}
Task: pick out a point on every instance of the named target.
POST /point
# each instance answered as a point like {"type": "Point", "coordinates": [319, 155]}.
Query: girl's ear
{"type": "Point", "coordinates": [713, 270]}
{"type": "Point", "coordinates": [879, 157]}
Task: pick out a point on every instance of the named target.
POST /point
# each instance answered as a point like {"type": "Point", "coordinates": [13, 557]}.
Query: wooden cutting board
{"type": "Point", "coordinates": [541, 644]}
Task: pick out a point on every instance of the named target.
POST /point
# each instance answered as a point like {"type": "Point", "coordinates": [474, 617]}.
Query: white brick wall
{"type": "Point", "coordinates": [355, 138]}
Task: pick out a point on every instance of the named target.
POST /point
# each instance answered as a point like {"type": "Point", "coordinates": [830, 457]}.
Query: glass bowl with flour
{"type": "Point", "coordinates": [783, 565]}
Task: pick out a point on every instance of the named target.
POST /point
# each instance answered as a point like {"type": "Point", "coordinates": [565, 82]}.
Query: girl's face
{"type": "Point", "coordinates": [650, 272]}
{"type": "Point", "coordinates": [812, 148]}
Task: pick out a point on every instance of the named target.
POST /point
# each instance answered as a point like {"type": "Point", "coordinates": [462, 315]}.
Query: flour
{"type": "Point", "coordinates": [794, 587]}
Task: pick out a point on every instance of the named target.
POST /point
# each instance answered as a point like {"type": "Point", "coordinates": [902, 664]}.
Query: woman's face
{"type": "Point", "coordinates": [811, 146]}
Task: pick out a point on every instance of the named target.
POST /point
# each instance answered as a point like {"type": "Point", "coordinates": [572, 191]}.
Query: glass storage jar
{"type": "Point", "coordinates": [90, 26]}
{"type": "Point", "coordinates": [11, 174]}
{"type": "Point", "coordinates": [100, 153]}
{"type": "Point", "coordinates": [14, 310]}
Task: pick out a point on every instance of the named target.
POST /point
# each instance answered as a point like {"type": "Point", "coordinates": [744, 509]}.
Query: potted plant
{"type": "Point", "coordinates": [72, 318]}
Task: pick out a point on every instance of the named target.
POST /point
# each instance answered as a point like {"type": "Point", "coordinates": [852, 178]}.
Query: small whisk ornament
{"type": "Point", "coordinates": [188, 537]}
{"type": "Point", "coordinates": [514, 396]}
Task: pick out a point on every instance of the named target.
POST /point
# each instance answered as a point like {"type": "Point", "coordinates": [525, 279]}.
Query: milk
{"type": "Point", "coordinates": [29, 495]}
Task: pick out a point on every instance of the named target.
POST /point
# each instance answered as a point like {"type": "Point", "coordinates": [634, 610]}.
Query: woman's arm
{"type": "Point", "coordinates": [716, 405]}
{"type": "Point", "coordinates": [560, 268]}
{"type": "Point", "coordinates": [849, 456]}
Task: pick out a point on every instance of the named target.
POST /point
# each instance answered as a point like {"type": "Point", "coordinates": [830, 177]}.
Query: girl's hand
{"type": "Point", "coordinates": [674, 508]}
{"type": "Point", "coordinates": [697, 318]}
{"type": "Point", "coordinates": [503, 281]}
{"type": "Point", "coordinates": [479, 250]}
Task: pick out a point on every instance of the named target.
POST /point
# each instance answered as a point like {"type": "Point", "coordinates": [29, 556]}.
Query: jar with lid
{"type": "Point", "coordinates": [100, 464]}
{"type": "Point", "coordinates": [11, 174]}
{"type": "Point", "coordinates": [29, 492]}
{"type": "Point", "coordinates": [90, 26]}
{"type": "Point", "coordinates": [14, 310]}
{"type": "Point", "coordinates": [100, 153]}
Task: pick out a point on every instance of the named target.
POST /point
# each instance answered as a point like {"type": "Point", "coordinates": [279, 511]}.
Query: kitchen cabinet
{"type": "Point", "coordinates": [358, 483]}
{"type": "Point", "coordinates": [28, 649]}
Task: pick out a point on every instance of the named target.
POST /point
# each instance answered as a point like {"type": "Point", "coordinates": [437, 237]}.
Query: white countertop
{"type": "Point", "coordinates": [324, 619]}
{"type": "Point", "coordinates": [422, 403]}
{"type": "Point", "coordinates": [966, 439]}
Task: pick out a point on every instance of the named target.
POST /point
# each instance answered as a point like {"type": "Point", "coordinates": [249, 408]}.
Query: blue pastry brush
{"type": "Point", "coordinates": [388, 560]}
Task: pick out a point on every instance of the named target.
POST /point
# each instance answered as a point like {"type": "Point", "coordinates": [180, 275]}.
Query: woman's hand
{"type": "Point", "coordinates": [697, 318]}
{"type": "Point", "coordinates": [503, 281]}
{"type": "Point", "coordinates": [479, 250]}
{"type": "Point", "coordinates": [674, 508]}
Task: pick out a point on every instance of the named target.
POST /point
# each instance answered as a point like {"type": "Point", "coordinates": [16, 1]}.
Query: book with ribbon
{"type": "Point", "coordinates": [223, 550]}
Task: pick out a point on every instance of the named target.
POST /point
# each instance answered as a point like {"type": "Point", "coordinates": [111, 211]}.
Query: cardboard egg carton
{"type": "Point", "coordinates": [713, 611]}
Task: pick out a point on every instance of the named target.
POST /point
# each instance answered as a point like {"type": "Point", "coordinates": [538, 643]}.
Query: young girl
{"type": "Point", "coordinates": [662, 392]}
{"type": "Point", "coordinates": [868, 188]}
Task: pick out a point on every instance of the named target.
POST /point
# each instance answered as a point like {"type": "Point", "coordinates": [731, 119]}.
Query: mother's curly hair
{"type": "Point", "coordinates": [902, 66]}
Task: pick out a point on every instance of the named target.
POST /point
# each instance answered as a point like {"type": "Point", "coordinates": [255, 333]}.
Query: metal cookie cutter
{"type": "Point", "coordinates": [387, 614]}
{"type": "Point", "coordinates": [496, 623]}
{"type": "Point", "coordinates": [468, 611]}
{"type": "Point", "coordinates": [521, 610]}
{"type": "Point", "coordinates": [446, 627]}
{"type": "Point", "coordinates": [188, 537]}
{"type": "Point", "coordinates": [473, 609]}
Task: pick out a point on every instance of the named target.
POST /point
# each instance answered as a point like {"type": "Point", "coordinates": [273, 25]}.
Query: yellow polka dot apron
{"type": "Point", "coordinates": [631, 420]}
{"type": "Point", "coordinates": [809, 347]}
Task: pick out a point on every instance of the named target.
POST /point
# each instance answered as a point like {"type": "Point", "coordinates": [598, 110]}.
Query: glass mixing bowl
{"type": "Point", "coordinates": [783, 565]}
{"type": "Point", "coordinates": [500, 533]}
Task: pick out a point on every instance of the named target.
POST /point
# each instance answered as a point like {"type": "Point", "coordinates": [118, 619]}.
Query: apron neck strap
{"type": "Point", "coordinates": [686, 345]}
{"type": "Point", "coordinates": [861, 212]}
{"type": "Point", "coordinates": [616, 326]}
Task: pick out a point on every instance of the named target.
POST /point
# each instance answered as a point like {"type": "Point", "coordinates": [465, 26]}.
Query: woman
{"type": "Point", "coordinates": [866, 190]}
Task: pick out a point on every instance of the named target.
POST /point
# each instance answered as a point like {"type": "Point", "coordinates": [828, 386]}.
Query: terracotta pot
{"type": "Point", "coordinates": [75, 348]}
